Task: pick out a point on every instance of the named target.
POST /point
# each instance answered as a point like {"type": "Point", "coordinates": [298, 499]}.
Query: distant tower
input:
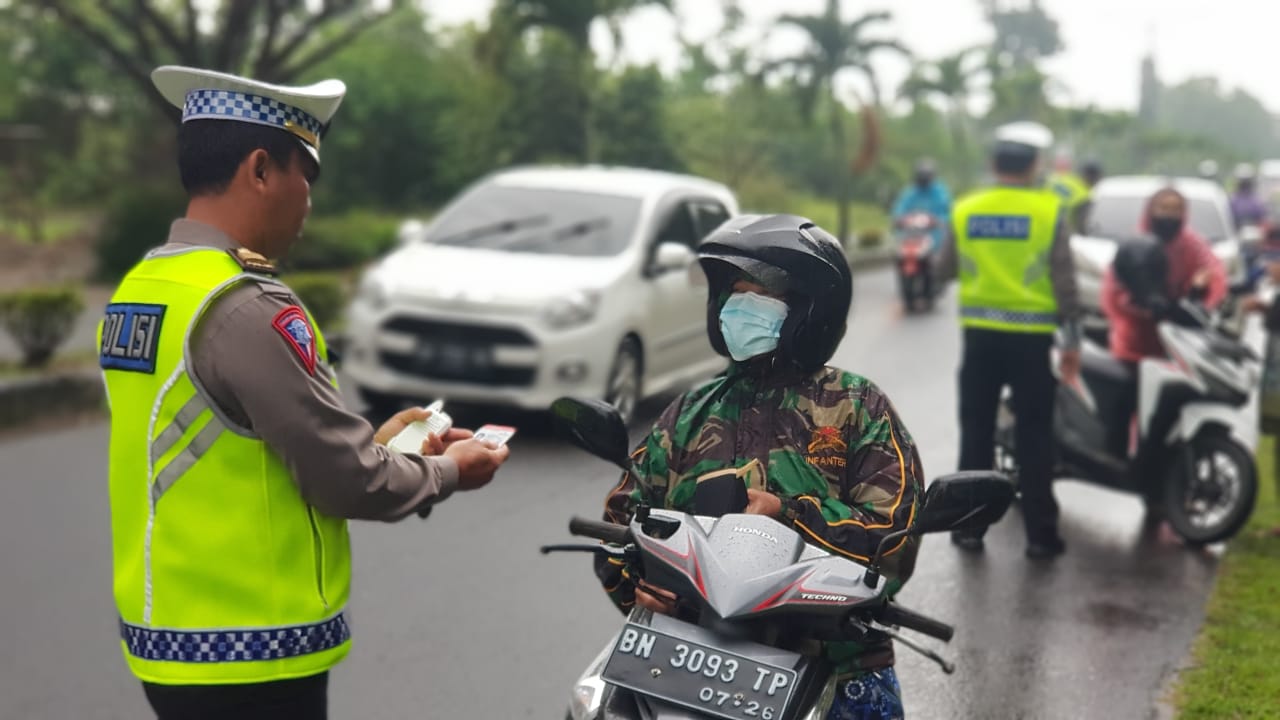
{"type": "Point", "coordinates": [1149, 91]}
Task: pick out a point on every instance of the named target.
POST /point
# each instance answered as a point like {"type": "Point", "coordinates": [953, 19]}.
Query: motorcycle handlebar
{"type": "Point", "coordinates": [600, 530]}
{"type": "Point", "coordinates": [897, 615]}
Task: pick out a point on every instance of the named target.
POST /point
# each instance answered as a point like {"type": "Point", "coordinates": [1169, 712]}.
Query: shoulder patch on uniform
{"type": "Point", "coordinates": [130, 337]}
{"type": "Point", "coordinates": [252, 261]}
{"type": "Point", "coordinates": [295, 328]}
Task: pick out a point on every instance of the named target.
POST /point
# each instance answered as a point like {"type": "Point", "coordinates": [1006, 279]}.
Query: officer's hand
{"type": "Point", "coordinates": [1069, 366]}
{"type": "Point", "coordinates": [477, 461]}
{"type": "Point", "coordinates": [398, 422]}
{"type": "Point", "coordinates": [760, 502]}
{"type": "Point", "coordinates": [436, 445]}
{"type": "Point", "coordinates": [652, 597]}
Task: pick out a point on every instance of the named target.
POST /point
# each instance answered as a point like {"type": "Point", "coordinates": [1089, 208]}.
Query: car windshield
{"type": "Point", "coordinates": [1120, 217]}
{"type": "Point", "coordinates": [538, 220]}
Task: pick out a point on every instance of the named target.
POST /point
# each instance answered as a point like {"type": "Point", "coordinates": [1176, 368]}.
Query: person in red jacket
{"type": "Point", "coordinates": [1191, 266]}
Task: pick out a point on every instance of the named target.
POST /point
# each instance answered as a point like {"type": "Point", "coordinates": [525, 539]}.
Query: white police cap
{"type": "Point", "coordinates": [303, 112]}
{"type": "Point", "coordinates": [1028, 134]}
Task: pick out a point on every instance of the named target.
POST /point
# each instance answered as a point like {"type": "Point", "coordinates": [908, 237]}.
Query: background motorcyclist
{"type": "Point", "coordinates": [925, 194]}
{"type": "Point", "coordinates": [820, 449]}
{"type": "Point", "coordinates": [1246, 207]}
{"type": "Point", "coordinates": [1191, 266]}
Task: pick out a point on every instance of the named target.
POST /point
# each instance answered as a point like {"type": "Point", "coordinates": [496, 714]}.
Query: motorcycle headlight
{"type": "Point", "coordinates": [372, 291]}
{"type": "Point", "coordinates": [572, 310]}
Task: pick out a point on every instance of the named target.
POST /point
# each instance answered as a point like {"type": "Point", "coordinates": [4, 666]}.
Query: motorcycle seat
{"type": "Point", "coordinates": [1097, 362]}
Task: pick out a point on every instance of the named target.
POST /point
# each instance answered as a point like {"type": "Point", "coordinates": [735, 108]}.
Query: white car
{"type": "Point", "coordinates": [1116, 216]}
{"type": "Point", "coordinates": [541, 282]}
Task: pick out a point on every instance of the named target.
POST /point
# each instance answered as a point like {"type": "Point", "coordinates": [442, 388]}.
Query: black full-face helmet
{"type": "Point", "coordinates": [794, 258]}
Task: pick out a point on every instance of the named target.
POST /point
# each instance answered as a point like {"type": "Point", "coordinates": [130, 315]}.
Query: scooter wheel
{"type": "Point", "coordinates": [1211, 494]}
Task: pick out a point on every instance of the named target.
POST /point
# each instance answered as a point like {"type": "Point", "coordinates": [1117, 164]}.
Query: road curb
{"type": "Point", "coordinates": [26, 400]}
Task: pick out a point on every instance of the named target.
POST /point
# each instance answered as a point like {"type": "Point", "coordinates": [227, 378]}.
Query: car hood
{"type": "Point", "coordinates": [435, 272]}
{"type": "Point", "coordinates": [1093, 255]}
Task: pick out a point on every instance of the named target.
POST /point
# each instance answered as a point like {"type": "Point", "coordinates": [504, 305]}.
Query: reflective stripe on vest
{"type": "Point", "coordinates": [223, 573]}
{"type": "Point", "coordinates": [1004, 237]}
{"type": "Point", "coordinates": [244, 645]}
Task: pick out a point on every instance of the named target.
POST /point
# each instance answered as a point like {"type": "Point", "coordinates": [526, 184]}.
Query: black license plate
{"type": "Point", "coordinates": [454, 357]}
{"type": "Point", "coordinates": [710, 680]}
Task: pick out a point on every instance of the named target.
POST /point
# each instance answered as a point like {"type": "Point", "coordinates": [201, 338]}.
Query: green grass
{"type": "Point", "coordinates": [1235, 670]}
{"type": "Point", "coordinates": [58, 225]}
{"type": "Point", "coordinates": [67, 360]}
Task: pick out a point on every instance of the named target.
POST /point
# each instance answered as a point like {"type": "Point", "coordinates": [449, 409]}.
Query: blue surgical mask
{"type": "Point", "coordinates": [751, 324]}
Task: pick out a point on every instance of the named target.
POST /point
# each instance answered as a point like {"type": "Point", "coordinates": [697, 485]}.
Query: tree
{"type": "Point", "coordinates": [630, 123]}
{"type": "Point", "coordinates": [1201, 106]}
{"type": "Point", "coordinates": [952, 79]}
{"type": "Point", "coordinates": [836, 47]}
{"type": "Point", "coordinates": [1025, 34]}
{"type": "Point", "coordinates": [270, 40]}
{"type": "Point", "coordinates": [513, 21]}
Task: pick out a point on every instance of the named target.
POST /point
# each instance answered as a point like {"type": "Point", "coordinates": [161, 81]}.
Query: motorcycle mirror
{"type": "Point", "coordinates": [595, 426]}
{"type": "Point", "coordinates": [964, 501]}
{"type": "Point", "coordinates": [960, 501]}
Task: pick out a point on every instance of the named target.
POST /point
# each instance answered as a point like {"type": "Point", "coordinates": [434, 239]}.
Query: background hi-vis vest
{"type": "Point", "coordinates": [1003, 240]}
{"type": "Point", "coordinates": [1070, 188]}
{"type": "Point", "coordinates": [223, 573]}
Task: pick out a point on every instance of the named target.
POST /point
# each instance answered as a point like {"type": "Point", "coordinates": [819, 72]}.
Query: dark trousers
{"type": "Point", "coordinates": [303, 699]}
{"type": "Point", "coordinates": [992, 360]}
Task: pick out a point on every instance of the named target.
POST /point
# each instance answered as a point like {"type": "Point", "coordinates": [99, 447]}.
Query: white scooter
{"type": "Point", "coordinates": [1190, 451]}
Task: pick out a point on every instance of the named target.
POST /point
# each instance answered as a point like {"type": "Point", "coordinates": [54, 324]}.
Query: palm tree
{"type": "Point", "coordinates": [952, 79]}
{"type": "Point", "coordinates": [836, 46]}
{"type": "Point", "coordinates": [512, 19]}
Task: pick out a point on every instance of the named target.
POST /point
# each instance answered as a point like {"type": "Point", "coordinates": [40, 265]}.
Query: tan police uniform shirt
{"type": "Point", "coordinates": [257, 381]}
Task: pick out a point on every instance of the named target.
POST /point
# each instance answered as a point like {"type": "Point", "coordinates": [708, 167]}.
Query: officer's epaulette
{"type": "Point", "coordinates": [253, 262]}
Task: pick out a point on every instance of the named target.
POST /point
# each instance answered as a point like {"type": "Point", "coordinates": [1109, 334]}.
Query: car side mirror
{"type": "Point", "coordinates": [671, 256]}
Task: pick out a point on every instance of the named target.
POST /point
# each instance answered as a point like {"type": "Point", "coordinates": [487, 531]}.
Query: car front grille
{"type": "Point", "coordinates": [458, 352]}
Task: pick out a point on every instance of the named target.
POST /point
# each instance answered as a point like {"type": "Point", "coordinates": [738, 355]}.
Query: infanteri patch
{"type": "Point", "coordinates": [130, 336]}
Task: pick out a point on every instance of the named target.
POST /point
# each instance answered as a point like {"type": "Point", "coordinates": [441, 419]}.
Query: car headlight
{"type": "Point", "coordinates": [571, 310]}
{"type": "Point", "coordinates": [372, 291]}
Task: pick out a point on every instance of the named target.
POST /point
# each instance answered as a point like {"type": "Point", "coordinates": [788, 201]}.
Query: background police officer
{"type": "Point", "coordinates": [1009, 246]}
{"type": "Point", "coordinates": [233, 460]}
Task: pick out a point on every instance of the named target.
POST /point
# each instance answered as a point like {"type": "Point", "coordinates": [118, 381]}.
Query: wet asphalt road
{"type": "Point", "coordinates": [459, 617]}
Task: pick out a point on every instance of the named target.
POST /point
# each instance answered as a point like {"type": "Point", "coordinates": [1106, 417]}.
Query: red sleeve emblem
{"type": "Point", "coordinates": [295, 328]}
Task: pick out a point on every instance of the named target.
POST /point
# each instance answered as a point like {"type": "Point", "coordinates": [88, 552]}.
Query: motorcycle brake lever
{"type": "Point", "coordinates": [603, 550]}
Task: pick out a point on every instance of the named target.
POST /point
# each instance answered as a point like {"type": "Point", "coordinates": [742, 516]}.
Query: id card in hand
{"type": "Point", "coordinates": [497, 434]}
{"type": "Point", "coordinates": [411, 438]}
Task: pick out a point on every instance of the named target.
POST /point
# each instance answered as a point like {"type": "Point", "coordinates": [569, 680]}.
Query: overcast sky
{"type": "Point", "coordinates": [1237, 41]}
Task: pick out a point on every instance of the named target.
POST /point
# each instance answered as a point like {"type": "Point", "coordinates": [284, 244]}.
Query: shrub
{"type": "Point", "coordinates": [323, 294]}
{"type": "Point", "coordinates": [342, 242]}
{"type": "Point", "coordinates": [136, 221]}
{"type": "Point", "coordinates": [870, 238]}
{"type": "Point", "coordinates": [40, 320]}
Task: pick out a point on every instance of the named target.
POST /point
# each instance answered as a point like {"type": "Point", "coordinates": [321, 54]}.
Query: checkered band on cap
{"type": "Point", "coordinates": [246, 107]}
{"type": "Point", "coordinates": [210, 646]}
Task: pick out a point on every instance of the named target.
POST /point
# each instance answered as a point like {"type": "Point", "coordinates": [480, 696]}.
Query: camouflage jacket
{"type": "Point", "coordinates": [830, 445]}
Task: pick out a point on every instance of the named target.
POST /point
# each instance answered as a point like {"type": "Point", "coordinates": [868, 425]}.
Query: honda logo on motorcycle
{"type": "Point", "coordinates": [753, 531]}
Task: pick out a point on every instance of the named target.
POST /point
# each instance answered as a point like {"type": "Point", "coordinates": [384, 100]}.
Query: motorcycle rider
{"type": "Point", "coordinates": [821, 450]}
{"type": "Point", "coordinates": [1010, 249]}
{"type": "Point", "coordinates": [925, 194]}
{"type": "Point", "coordinates": [1192, 266]}
{"type": "Point", "coordinates": [1246, 207]}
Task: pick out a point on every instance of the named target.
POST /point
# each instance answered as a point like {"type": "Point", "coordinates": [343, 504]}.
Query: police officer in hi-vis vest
{"type": "Point", "coordinates": [1010, 249]}
{"type": "Point", "coordinates": [234, 464]}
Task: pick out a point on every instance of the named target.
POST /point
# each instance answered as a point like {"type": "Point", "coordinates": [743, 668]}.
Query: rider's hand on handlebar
{"type": "Point", "coordinates": [1069, 366]}
{"type": "Point", "coordinates": [654, 598]}
{"type": "Point", "coordinates": [477, 461]}
{"type": "Point", "coordinates": [760, 502]}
